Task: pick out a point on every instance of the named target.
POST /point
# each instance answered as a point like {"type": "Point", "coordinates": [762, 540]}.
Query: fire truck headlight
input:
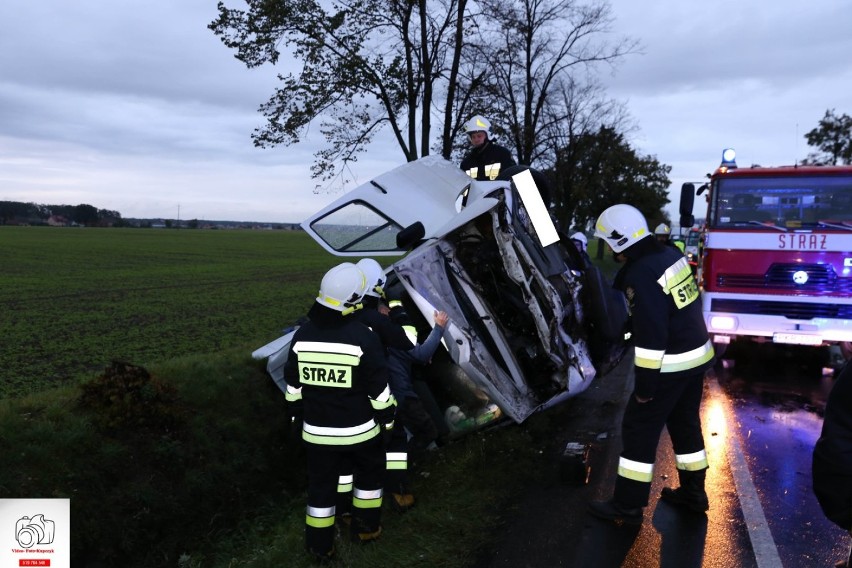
{"type": "Point", "coordinates": [727, 323]}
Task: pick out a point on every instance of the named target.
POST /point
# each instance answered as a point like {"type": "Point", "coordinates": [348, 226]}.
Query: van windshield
{"type": "Point", "coordinates": [782, 203]}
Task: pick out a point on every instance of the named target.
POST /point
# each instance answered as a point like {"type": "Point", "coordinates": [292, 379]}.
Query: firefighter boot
{"type": "Point", "coordinates": [402, 501]}
{"type": "Point", "coordinates": [363, 531]}
{"type": "Point", "coordinates": [323, 559]}
{"type": "Point", "coordinates": [690, 495]}
{"type": "Point", "coordinates": [364, 535]}
{"type": "Point", "coordinates": [402, 498]}
{"type": "Point", "coordinates": [613, 511]}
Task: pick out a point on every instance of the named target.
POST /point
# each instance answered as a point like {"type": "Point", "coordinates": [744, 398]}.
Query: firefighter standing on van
{"type": "Point", "coordinates": [486, 158]}
{"type": "Point", "coordinates": [337, 381]}
{"type": "Point", "coordinates": [672, 352]}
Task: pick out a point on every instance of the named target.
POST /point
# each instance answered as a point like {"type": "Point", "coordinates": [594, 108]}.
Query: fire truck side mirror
{"type": "Point", "coordinates": [687, 200]}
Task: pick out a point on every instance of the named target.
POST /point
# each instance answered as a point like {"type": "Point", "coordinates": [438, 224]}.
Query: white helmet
{"type": "Point", "coordinates": [342, 288]}
{"type": "Point", "coordinates": [662, 229]}
{"type": "Point", "coordinates": [375, 276]}
{"type": "Point", "coordinates": [621, 226]}
{"type": "Point", "coordinates": [478, 123]}
{"type": "Point", "coordinates": [578, 236]}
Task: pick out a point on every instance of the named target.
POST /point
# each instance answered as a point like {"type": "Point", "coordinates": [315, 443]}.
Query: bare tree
{"type": "Point", "coordinates": [365, 65]}
{"type": "Point", "coordinates": [534, 57]}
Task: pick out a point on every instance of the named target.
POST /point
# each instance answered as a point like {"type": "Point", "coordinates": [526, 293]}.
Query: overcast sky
{"type": "Point", "coordinates": [137, 107]}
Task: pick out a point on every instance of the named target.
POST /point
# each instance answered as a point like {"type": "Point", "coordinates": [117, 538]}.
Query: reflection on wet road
{"type": "Point", "coordinates": [778, 402]}
{"type": "Point", "coordinates": [760, 423]}
{"type": "Point", "coordinates": [761, 418]}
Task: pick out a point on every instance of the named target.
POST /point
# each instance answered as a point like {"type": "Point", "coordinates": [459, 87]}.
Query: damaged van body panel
{"type": "Point", "coordinates": [519, 338]}
{"type": "Point", "coordinates": [366, 220]}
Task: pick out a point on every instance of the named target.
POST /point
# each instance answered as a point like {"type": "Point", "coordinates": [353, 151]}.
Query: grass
{"type": "Point", "coordinates": [74, 299]}
{"type": "Point", "coordinates": [181, 456]}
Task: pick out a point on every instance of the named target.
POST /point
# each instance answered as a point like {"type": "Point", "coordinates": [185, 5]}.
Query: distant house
{"type": "Point", "coordinates": [58, 221]}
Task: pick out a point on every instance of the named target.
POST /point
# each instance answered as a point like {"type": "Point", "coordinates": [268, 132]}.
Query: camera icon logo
{"type": "Point", "coordinates": [30, 531]}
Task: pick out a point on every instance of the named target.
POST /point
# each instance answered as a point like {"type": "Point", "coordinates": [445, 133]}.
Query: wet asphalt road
{"type": "Point", "coordinates": [761, 417]}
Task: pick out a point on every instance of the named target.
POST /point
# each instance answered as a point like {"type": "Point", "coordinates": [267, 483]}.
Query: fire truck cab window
{"type": "Point", "coordinates": [782, 203]}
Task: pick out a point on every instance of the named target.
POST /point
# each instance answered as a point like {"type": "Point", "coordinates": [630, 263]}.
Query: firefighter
{"type": "Point", "coordinates": [581, 243]}
{"type": "Point", "coordinates": [415, 430]}
{"type": "Point", "coordinates": [337, 384]}
{"type": "Point", "coordinates": [832, 454]}
{"type": "Point", "coordinates": [672, 350]}
{"type": "Point", "coordinates": [400, 341]}
{"type": "Point", "coordinates": [664, 234]}
{"type": "Point", "coordinates": [486, 158]}
{"type": "Point", "coordinates": [391, 336]}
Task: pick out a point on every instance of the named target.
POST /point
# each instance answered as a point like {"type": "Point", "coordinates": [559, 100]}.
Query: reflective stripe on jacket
{"type": "Point", "coordinates": [339, 373]}
{"type": "Point", "coordinates": [668, 330]}
{"type": "Point", "coordinates": [486, 162]}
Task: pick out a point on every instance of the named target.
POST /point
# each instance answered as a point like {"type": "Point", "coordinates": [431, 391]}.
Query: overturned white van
{"type": "Point", "coordinates": [530, 324]}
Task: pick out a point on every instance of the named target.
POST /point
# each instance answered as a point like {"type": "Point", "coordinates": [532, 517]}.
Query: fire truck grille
{"type": "Point", "coordinates": [821, 278]}
{"type": "Point", "coordinates": [790, 310]}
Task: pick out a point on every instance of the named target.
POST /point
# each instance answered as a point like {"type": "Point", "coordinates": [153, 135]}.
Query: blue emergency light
{"type": "Point", "coordinates": [729, 159]}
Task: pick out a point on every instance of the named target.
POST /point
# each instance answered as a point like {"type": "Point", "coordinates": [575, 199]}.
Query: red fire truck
{"type": "Point", "coordinates": [776, 263]}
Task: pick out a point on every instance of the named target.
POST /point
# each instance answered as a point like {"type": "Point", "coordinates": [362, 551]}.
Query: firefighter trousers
{"type": "Point", "coordinates": [396, 476]}
{"type": "Point", "coordinates": [676, 405]}
{"type": "Point", "coordinates": [413, 432]}
{"type": "Point", "coordinates": [367, 462]}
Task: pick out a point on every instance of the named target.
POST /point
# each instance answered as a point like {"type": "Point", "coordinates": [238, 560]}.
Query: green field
{"type": "Point", "coordinates": [74, 299]}
{"type": "Point", "coordinates": [187, 459]}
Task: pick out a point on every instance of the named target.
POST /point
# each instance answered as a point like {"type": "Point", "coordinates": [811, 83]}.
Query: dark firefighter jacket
{"type": "Point", "coordinates": [336, 372]}
{"type": "Point", "coordinates": [668, 331]}
{"type": "Point", "coordinates": [390, 333]}
{"type": "Point", "coordinates": [832, 459]}
{"type": "Point", "coordinates": [485, 162]}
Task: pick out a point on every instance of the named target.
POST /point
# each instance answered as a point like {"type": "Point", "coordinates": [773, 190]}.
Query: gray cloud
{"type": "Point", "coordinates": [137, 106]}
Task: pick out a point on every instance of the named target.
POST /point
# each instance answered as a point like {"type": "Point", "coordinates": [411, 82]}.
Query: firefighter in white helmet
{"type": "Point", "coordinates": [672, 351]}
{"type": "Point", "coordinates": [337, 383]}
{"type": "Point", "coordinates": [486, 158]}
{"type": "Point", "coordinates": [581, 243]}
{"type": "Point", "coordinates": [392, 336]}
{"type": "Point", "coordinates": [399, 337]}
{"type": "Point", "coordinates": [664, 234]}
